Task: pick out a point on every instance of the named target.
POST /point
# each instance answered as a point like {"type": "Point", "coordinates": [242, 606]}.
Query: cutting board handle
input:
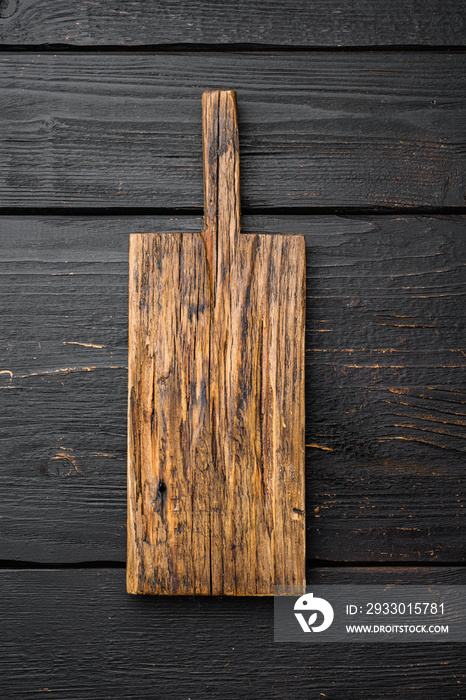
{"type": "Point", "coordinates": [222, 208]}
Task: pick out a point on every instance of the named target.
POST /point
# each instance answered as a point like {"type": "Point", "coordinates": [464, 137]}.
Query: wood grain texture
{"type": "Point", "coordinates": [76, 634]}
{"type": "Point", "coordinates": [384, 343]}
{"type": "Point", "coordinates": [384, 373]}
{"type": "Point", "coordinates": [363, 129]}
{"type": "Point", "coordinates": [283, 23]}
{"type": "Point", "coordinates": [216, 395]}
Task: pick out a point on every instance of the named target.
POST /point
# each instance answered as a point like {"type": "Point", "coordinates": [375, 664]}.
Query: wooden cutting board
{"type": "Point", "coordinates": [216, 395]}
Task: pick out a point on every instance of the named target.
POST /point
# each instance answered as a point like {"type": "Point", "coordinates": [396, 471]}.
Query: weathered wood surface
{"type": "Point", "coordinates": [361, 129]}
{"type": "Point", "coordinates": [265, 22]}
{"type": "Point", "coordinates": [216, 395]}
{"type": "Point", "coordinates": [384, 365]}
{"type": "Point", "coordinates": [77, 634]}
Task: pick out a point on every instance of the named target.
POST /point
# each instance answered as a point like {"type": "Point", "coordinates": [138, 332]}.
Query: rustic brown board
{"type": "Point", "coordinates": [216, 395]}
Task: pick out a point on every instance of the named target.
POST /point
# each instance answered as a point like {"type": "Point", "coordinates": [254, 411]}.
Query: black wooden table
{"type": "Point", "coordinates": [352, 132]}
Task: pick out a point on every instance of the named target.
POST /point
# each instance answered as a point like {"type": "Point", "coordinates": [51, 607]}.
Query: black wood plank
{"type": "Point", "coordinates": [77, 634]}
{"type": "Point", "coordinates": [365, 129]}
{"type": "Point", "coordinates": [384, 409]}
{"type": "Point", "coordinates": [271, 22]}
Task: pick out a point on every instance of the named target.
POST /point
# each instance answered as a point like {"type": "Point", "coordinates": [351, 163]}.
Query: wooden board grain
{"type": "Point", "coordinates": [318, 129]}
{"type": "Point", "coordinates": [385, 464]}
{"type": "Point", "coordinates": [77, 634]}
{"type": "Point", "coordinates": [216, 395]}
{"type": "Point", "coordinates": [384, 399]}
{"type": "Point", "coordinates": [284, 23]}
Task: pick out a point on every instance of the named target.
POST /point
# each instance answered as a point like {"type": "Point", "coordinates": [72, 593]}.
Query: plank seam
{"type": "Point", "coordinates": [229, 48]}
{"type": "Point", "coordinates": [246, 211]}
{"type": "Point", "coordinates": [312, 564]}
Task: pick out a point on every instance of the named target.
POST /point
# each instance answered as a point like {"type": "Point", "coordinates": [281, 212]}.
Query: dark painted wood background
{"type": "Point", "coordinates": [352, 132]}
